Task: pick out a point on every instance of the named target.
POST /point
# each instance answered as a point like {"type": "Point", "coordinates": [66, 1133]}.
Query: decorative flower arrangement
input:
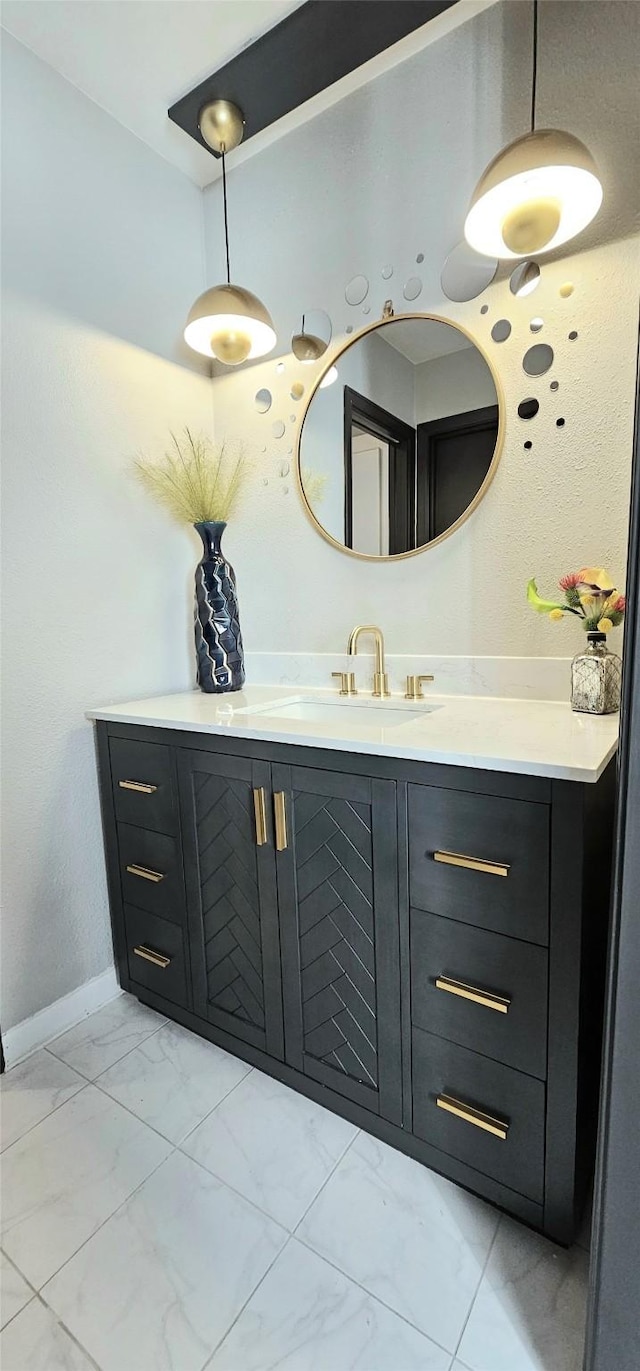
{"type": "Point", "coordinates": [196, 481]}
{"type": "Point", "coordinates": [589, 594]}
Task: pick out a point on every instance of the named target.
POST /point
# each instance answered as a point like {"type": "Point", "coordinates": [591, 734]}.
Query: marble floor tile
{"type": "Point", "coordinates": [530, 1310]}
{"type": "Point", "coordinates": [65, 1177]}
{"type": "Point", "coordinates": [14, 1291]}
{"type": "Point", "coordinates": [306, 1316]}
{"type": "Point", "coordinates": [30, 1091]}
{"type": "Point", "coordinates": [160, 1284]}
{"type": "Point", "coordinates": [35, 1341]}
{"type": "Point", "coordinates": [105, 1037]}
{"type": "Point", "coordinates": [173, 1080]}
{"type": "Point", "coordinates": [411, 1238]}
{"type": "Point", "coordinates": [273, 1145]}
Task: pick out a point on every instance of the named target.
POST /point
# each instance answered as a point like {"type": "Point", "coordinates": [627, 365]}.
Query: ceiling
{"type": "Point", "coordinates": [421, 340]}
{"type": "Point", "coordinates": [135, 58]}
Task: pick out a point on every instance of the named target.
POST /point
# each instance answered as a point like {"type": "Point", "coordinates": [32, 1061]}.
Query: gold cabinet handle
{"type": "Point", "coordinates": [148, 954]}
{"type": "Point", "coordinates": [140, 786]}
{"type": "Point", "coordinates": [261, 816]}
{"type": "Point", "coordinates": [499, 1127]}
{"type": "Point", "coordinates": [471, 992]}
{"type": "Point", "coordinates": [474, 863]}
{"type": "Point", "coordinates": [280, 816]}
{"type": "Point", "coordinates": [145, 872]}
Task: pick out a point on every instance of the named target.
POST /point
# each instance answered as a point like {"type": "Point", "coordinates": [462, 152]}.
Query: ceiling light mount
{"type": "Point", "coordinates": [221, 125]}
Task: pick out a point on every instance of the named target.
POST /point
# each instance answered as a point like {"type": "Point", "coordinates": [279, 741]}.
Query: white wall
{"type": "Point", "coordinates": [378, 179]}
{"type": "Point", "coordinates": [453, 384]}
{"type": "Point", "coordinates": [102, 255]}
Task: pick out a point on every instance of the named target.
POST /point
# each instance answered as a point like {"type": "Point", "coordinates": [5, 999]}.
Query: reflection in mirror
{"type": "Point", "coordinates": [313, 336]}
{"type": "Point", "coordinates": [395, 454]}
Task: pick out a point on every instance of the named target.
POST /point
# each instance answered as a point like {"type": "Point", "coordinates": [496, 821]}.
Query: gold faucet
{"type": "Point", "coordinates": [380, 678]}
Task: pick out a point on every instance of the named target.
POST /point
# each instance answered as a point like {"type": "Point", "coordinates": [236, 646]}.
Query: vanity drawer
{"type": "Point", "coordinates": [454, 968]}
{"type": "Point", "coordinates": [143, 788]}
{"type": "Point", "coordinates": [480, 859]}
{"type": "Point", "coordinates": [156, 954]}
{"type": "Point", "coordinates": [151, 871]}
{"type": "Point", "coordinates": [487, 1096]}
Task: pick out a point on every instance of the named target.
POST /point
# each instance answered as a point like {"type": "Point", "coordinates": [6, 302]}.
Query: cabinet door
{"type": "Point", "coordinates": [338, 896]}
{"type": "Point", "coordinates": [231, 897]}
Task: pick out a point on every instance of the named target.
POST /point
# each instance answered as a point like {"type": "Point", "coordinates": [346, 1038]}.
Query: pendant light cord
{"type": "Point", "coordinates": [533, 67]}
{"type": "Point", "coordinates": [226, 220]}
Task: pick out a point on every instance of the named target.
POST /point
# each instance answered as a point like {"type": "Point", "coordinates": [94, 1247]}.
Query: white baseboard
{"type": "Point", "coordinates": [48, 1023]}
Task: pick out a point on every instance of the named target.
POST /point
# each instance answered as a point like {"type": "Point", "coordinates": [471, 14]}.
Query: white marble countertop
{"type": "Point", "coordinates": [529, 737]}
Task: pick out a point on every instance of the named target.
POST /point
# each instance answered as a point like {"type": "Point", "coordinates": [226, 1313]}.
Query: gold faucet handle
{"type": "Point", "coordinates": [414, 687]}
{"type": "Point", "coordinates": [347, 682]}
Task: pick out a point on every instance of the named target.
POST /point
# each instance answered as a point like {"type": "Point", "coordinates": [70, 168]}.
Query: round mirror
{"type": "Point", "coordinates": [399, 450]}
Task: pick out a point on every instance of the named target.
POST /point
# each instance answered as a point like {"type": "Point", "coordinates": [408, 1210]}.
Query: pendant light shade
{"type": "Point", "coordinates": [227, 322]}
{"type": "Point", "coordinates": [231, 324]}
{"type": "Point", "coordinates": [538, 193]}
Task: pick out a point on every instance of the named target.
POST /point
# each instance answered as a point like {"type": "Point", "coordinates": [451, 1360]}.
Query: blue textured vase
{"type": "Point", "coordinates": [220, 657]}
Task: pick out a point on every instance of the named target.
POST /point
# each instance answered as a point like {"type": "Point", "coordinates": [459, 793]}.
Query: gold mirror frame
{"type": "Point", "coordinates": [332, 362]}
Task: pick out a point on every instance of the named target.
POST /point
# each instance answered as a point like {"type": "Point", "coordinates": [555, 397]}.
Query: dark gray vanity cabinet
{"type": "Point", "coordinates": [231, 897]}
{"type": "Point", "coordinates": [338, 897]}
{"type": "Point", "coordinates": [419, 947]}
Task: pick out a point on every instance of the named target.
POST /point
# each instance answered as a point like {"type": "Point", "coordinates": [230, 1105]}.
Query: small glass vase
{"type": "Point", "coordinates": [219, 652]}
{"type": "Point", "coordinates": [596, 675]}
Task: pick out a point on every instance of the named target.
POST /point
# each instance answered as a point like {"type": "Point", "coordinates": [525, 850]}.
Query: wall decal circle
{"type": "Point", "coordinates": [412, 288]}
{"type": "Point", "coordinates": [277, 428]}
{"type": "Point", "coordinates": [567, 288]}
{"type": "Point", "coordinates": [528, 444]}
{"type": "Point", "coordinates": [279, 368]}
{"type": "Point", "coordinates": [366, 309]}
{"type": "Point", "coordinates": [573, 335]}
{"type": "Point", "coordinates": [263, 400]}
{"type": "Point", "coordinates": [537, 359]}
{"type": "Point", "coordinates": [559, 423]}
{"type": "Point", "coordinates": [484, 309]}
{"type": "Point", "coordinates": [297, 390]}
{"type": "Point", "coordinates": [536, 324]}
{"type": "Point", "coordinates": [527, 409]}
{"type": "Point", "coordinates": [357, 290]}
{"type": "Point", "coordinates": [466, 274]}
{"type": "Point", "coordinates": [420, 258]}
{"type": "Point", "coordinates": [524, 279]}
{"type": "Point", "coordinates": [501, 330]}
{"type": "Point", "coordinates": [555, 385]}
{"type": "Point", "coordinates": [387, 272]}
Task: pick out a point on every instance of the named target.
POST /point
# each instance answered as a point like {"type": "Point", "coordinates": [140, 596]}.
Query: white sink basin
{"type": "Point", "coordinates": [379, 715]}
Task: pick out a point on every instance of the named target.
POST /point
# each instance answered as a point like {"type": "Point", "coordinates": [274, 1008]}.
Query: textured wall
{"type": "Point", "coordinates": [102, 252]}
{"type": "Point", "coordinates": [375, 181]}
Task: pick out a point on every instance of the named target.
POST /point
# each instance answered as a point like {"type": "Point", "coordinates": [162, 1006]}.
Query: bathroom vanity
{"type": "Point", "coordinates": [398, 909]}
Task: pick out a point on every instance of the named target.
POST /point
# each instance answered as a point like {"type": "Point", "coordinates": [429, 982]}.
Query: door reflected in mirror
{"type": "Point", "coordinates": [397, 453]}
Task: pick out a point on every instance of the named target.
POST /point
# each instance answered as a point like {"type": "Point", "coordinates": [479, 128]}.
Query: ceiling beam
{"type": "Point", "coordinates": [314, 47]}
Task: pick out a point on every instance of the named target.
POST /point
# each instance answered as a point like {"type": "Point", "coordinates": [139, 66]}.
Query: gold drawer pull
{"type": "Point", "coordinates": [499, 1127]}
{"type": "Point", "coordinates": [474, 863]}
{"type": "Point", "coordinates": [145, 872]}
{"type": "Point", "coordinates": [261, 816]}
{"type": "Point", "coordinates": [150, 956]}
{"type": "Point", "coordinates": [280, 815]}
{"type": "Point", "coordinates": [471, 992]}
{"type": "Point", "coordinates": [141, 787]}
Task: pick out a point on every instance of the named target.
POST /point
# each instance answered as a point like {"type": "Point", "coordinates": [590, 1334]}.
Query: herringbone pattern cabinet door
{"type": "Point", "coordinates": [231, 885]}
{"type": "Point", "coordinates": [337, 885]}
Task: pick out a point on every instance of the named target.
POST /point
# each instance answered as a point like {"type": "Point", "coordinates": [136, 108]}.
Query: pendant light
{"type": "Point", "coordinates": [227, 322]}
{"type": "Point", "coordinates": [538, 192]}
{"type": "Point", "coordinates": [307, 347]}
